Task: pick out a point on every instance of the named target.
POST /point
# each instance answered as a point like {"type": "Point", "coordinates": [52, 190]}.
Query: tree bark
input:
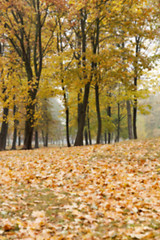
{"type": "Point", "coordinates": [28, 135]}
{"type": "Point", "coordinates": [43, 138]}
{"type": "Point", "coordinates": [135, 101]}
{"type": "Point", "coordinates": [105, 137]}
{"type": "Point", "coordinates": [46, 139]}
{"type": "Point", "coordinates": [15, 129]}
{"type": "Point", "coordinates": [88, 126]}
{"type": "Point", "coordinates": [95, 46]}
{"type": "Point", "coordinates": [19, 138]}
{"type": "Point", "coordinates": [109, 114]}
{"type": "Point", "coordinates": [36, 139]}
{"type": "Point", "coordinates": [4, 129]}
{"type": "Point", "coordinates": [82, 115]}
{"type": "Point", "coordinates": [67, 127]}
{"type": "Point", "coordinates": [86, 136]}
{"type": "Point", "coordinates": [98, 114]}
{"type": "Point", "coordinates": [118, 125]}
{"type": "Point", "coordinates": [129, 119]}
{"type": "Point", "coordinates": [14, 138]}
{"type": "Point", "coordinates": [4, 126]}
{"type": "Point", "coordinates": [29, 128]}
{"type": "Point", "coordinates": [135, 112]}
{"type": "Point", "coordinates": [46, 136]}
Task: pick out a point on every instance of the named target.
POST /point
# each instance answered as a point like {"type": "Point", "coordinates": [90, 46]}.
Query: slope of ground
{"type": "Point", "coordinates": [91, 192]}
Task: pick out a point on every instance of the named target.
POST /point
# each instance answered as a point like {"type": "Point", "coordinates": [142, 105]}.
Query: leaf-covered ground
{"type": "Point", "coordinates": [91, 192]}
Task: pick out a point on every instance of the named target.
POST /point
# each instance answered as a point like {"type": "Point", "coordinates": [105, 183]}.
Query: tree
{"type": "Point", "coordinates": [60, 50]}
{"type": "Point", "coordinates": [4, 127]}
{"type": "Point", "coordinates": [24, 25]}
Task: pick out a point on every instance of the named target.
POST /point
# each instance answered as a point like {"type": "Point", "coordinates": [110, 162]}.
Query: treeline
{"type": "Point", "coordinates": [93, 54]}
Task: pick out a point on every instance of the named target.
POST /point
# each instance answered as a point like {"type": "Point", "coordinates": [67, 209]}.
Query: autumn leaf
{"type": "Point", "coordinates": [91, 192]}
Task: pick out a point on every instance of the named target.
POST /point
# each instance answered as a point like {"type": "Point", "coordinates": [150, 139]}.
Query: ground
{"type": "Point", "coordinates": [90, 192]}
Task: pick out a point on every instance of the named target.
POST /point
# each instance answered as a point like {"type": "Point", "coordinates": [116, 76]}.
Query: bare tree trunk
{"type": "Point", "coordinates": [8, 142]}
{"type": "Point", "coordinates": [46, 139]}
{"type": "Point", "coordinates": [67, 127]}
{"type": "Point", "coordinates": [109, 114]}
{"type": "Point", "coordinates": [135, 101]}
{"type": "Point", "coordinates": [86, 136]}
{"type": "Point", "coordinates": [129, 118]}
{"type": "Point", "coordinates": [14, 138]}
{"type": "Point", "coordinates": [19, 138]}
{"type": "Point", "coordinates": [135, 112]}
{"type": "Point", "coordinates": [29, 127]}
{"type": "Point", "coordinates": [119, 121]}
{"type": "Point", "coordinates": [95, 46]}
{"type": "Point", "coordinates": [43, 138]}
{"type": "Point", "coordinates": [4, 126]}
{"type": "Point", "coordinates": [82, 115]}
{"type": "Point", "coordinates": [36, 139]}
{"type": "Point", "coordinates": [88, 126]}
{"type": "Point", "coordinates": [98, 114]}
{"type": "Point", "coordinates": [15, 129]}
{"type": "Point", "coordinates": [105, 137]}
{"type": "Point", "coordinates": [4, 129]}
{"type": "Point", "coordinates": [109, 137]}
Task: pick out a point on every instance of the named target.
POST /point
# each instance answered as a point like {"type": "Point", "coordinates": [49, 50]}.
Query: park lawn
{"type": "Point", "coordinates": [91, 192]}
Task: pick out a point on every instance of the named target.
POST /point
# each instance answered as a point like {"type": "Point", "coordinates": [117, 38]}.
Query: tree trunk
{"type": "Point", "coordinates": [109, 114]}
{"type": "Point", "coordinates": [19, 138]}
{"type": "Point", "coordinates": [14, 138]}
{"type": "Point", "coordinates": [86, 136]}
{"type": "Point", "coordinates": [28, 134]}
{"type": "Point", "coordinates": [105, 137]}
{"type": "Point", "coordinates": [46, 139]}
{"type": "Point", "coordinates": [4, 126]}
{"type": "Point", "coordinates": [98, 114]}
{"type": "Point", "coordinates": [4, 129]}
{"type": "Point", "coordinates": [43, 138]}
{"type": "Point", "coordinates": [15, 129]}
{"type": "Point", "coordinates": [135, 112]}
{"type": "Point", "coordinates": [67, 126]}
{"type": "Point", "coordinates": [88, 126]}
{"type": "Point", "coordinates": [60, 49]}
{"type": "Point", "coordinates": [129, 118]}
{"type": "Point", "coordinates": [36, 139]}
{"type": "Point", "coordinates": [109, 137]}
{"type": "Point", "coordinates": [82, 115]}
{"type": "Point", "coordinates": [29, 124]}
{"type": "Point", "coordinates": [95, 46]}
{"type": "Point", "coordinates": [8, 142]}
{"type": "Point", "coordinates": [135, 101]}
{"type": "Point", "coordinates": [118, 125]}
{"type": "Point", "coordinates": [82, 106]}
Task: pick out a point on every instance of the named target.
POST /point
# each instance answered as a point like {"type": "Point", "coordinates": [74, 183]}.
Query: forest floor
{"type": "Point", "coordinates": [90, 192]}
